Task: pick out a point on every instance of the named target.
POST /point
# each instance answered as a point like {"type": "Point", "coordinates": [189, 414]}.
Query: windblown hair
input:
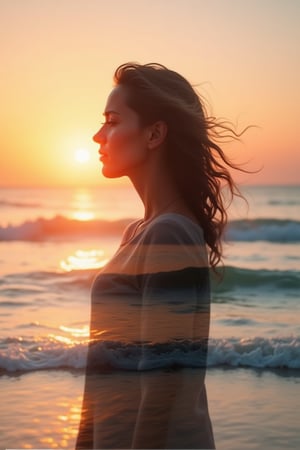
{"type": "Point", "coordinates": [198, 165]}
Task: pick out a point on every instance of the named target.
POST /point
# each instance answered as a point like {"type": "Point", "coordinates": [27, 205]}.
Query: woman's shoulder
{"type": "Point", "coordinates": [174, 226]}
{"type": "Point", "coordinates": [172, 240]}
{"type": "Point", "coordinates": [130, 230]}
{"type": "Point", "coordinates": [176, 219]}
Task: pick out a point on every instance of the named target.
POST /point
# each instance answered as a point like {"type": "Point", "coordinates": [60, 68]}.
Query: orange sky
{"type": "Point", "coordinates": [58, 58]}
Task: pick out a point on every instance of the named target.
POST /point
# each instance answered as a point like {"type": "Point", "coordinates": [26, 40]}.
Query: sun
{"type": "Point", "coordinates": [82, 155]}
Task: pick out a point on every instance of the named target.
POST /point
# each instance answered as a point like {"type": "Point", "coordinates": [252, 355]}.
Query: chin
{"type": "Point", "coordinates": [109, 173]}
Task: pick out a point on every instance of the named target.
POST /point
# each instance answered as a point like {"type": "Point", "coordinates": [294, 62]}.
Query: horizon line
{"type": "Point", "coordinates": [126, 184]}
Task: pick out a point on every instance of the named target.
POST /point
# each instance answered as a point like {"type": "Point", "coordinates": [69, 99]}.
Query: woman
{"type": "Point", "coordinates": [150, 304]}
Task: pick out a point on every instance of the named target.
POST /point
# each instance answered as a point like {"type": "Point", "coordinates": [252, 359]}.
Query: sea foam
{"type": "Point", "coordinates": [47, 353]}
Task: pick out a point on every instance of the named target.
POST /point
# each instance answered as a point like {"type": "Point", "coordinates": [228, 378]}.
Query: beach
{"type": "Point", "coordinates": [250, 409]}
{"type": "Point", "coordinates": [52, 244]}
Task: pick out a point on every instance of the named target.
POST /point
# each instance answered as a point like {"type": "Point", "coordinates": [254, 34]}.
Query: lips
{"type": "Point", "coordinates": [103, 155]}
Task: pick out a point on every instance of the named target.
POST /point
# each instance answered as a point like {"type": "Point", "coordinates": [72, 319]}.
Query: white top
{"type": "Point", "coordinates": [150, 310]}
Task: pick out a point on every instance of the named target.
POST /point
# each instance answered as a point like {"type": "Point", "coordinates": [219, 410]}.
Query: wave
{"type": "Point", "coordinates": [271, 230]}
{"type": "Point", "coordinates": [73, 279]}
{"type": "Point", "coordinates": [257, 352]}
{"type": "Point", "coordinates": [29, 354]}
{"type": "Point", "coordinates": [284, 202]}
{"type": "Point", "coordinates": [16, 204]}
{"type": "Point", "coordinates": [60, 227]}
{"type": "Point", "coordinates": [233, 279]}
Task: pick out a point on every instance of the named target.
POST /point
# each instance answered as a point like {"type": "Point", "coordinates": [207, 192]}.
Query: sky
{"type": "Point", "coordinates": [58, 58]}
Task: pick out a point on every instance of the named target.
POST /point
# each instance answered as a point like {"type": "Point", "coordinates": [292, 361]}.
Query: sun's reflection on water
{"type": "Point", "coordinates": [62, 339]}
{"type": "Point", "coordinates": [72, 337]}
{"type": "Point", "coordinates": [70, 418]}
{"type": "Point", "coordinates": [83, 205]}
{"type": "Point", "coordinates": [76, 332]}
{"type": "Point", "coordinates": [63, 429]}
{"type": "Point", "coordinates": [83, 215]}
{"type": "Point", "coordinates": [84, 259]}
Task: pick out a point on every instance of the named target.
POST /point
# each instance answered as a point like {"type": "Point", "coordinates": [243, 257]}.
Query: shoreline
{"type": "Point", "coordinates": [281, 372]}
{"type": "Point", "coordinates": [250, 409]}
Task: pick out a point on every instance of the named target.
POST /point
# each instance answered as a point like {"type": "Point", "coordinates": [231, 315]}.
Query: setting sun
{"type": "Point", "coordinates": [82, 155]}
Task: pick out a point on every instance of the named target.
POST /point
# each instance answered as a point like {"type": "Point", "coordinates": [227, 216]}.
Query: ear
{"type": "Point", "coordinates": [157, 134]}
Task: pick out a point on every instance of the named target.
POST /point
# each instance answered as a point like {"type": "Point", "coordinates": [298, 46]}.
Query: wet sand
{"type": "Point", "coordinates": [250, 409]}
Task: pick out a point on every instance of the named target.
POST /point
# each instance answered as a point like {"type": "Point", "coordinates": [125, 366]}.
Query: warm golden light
{"type": "Point", "coordinates": [84, 215]}
{"type": "Point", "coordinates": [82, 155]}
{"type": "Point", "coordinates": [63, 418]}
{"type": "Point", "coordinates": [76, 332]}
{"type": "Point", "coordinates": [84, 259]}
{"type": "Point", "coordinates": [83, 205]}
{"type": "Point", "coordinates": [62, 339]}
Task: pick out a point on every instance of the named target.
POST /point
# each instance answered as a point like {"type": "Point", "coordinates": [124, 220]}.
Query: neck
{"type": "Point", "coordinates": [158, 193]}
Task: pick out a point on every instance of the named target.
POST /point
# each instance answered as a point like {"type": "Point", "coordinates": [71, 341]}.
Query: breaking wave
{"type": "Point", "coordinates": [271, 230]}
{"type": "Point", "coordinates": [45, 353]}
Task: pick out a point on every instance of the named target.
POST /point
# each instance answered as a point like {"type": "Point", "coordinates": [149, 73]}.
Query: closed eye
{"type": "Point", "coordinates": [109, 122]}
{"type": "Point", "coordinates": [109, 118]}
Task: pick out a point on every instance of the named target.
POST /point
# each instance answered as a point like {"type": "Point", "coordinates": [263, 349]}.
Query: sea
{"type": "Point", "coordinates": [54, 241]}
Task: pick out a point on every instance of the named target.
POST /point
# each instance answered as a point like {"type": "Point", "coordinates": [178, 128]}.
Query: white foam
{"type": "Point", "coordinates": [48, 353]}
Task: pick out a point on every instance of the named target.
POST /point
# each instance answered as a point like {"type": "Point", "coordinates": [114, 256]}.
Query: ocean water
{"type": "Point", "coordinates": [53, 242]}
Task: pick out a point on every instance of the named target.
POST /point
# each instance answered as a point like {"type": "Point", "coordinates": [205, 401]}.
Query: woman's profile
{"type": "Point", "coordinates": [150, 307]}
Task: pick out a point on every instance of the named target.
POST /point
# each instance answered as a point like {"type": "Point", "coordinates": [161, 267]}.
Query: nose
{"type": "Point", "coordinates": [99, 137]}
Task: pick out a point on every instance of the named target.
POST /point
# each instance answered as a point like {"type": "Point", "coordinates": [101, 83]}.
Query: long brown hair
{"type": "Point", "coordinates": [197, 163]}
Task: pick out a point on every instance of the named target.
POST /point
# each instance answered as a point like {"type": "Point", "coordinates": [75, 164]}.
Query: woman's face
{"type": "Point", "coordinates": [123, 142]}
